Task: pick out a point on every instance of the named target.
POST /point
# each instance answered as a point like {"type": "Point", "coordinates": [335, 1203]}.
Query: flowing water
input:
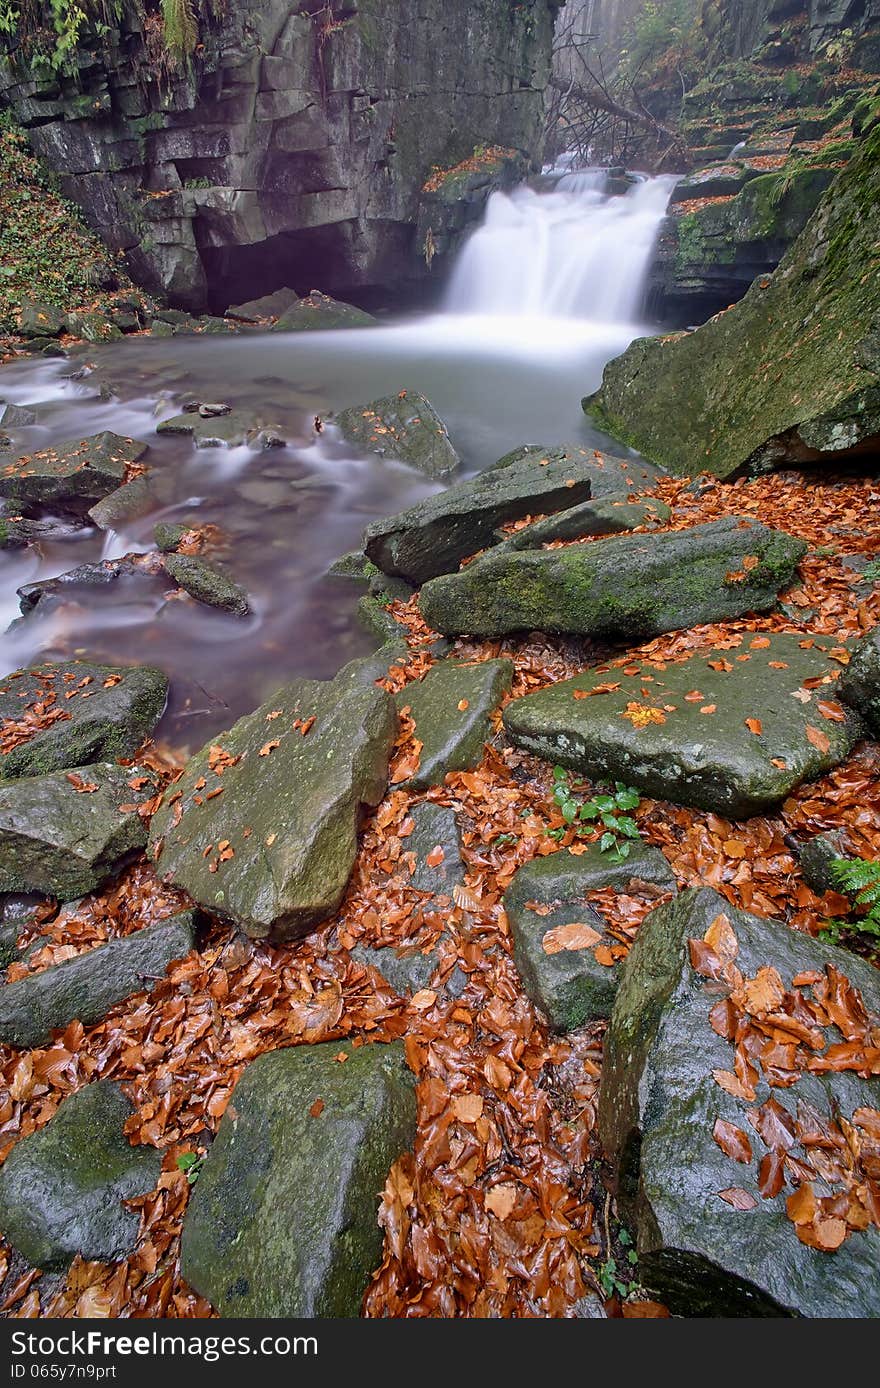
{"type": "Point", "coordinates": [545, 293]}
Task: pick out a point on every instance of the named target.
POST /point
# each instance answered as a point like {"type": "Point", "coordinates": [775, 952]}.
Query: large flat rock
{"type": "Point", "coordinates": [434, 536]}
{"type": "Point", "coordinates": [609, 475]}
{"type": "Point", "coordinates": [452, 708]}
{"type": "Point", "coordinates": [77, 473]}
{"type": "Point", "coordinates": [65, 833]}
{"type": "Point", "coordinates": [787, 375]}
{"type": "Point", "coordinates": [317, 312]}
{"type": "Point", "coordinates": [405, 427]}
{"type": "Point", "coordinates": [625, 587]}
{"type": "Point", "coordinates": [660, 1103]}
{"type": "Point", "coordinates": [57, 716]}
{"type": "Point", "coordinates": [262, 827]}
{"type": "Point", "coordinates": [767, 724]}
{"type": "Point", "coordinates": [567, 981]}
{"type": "Point", "coordinates": [85, 988]}
{"type": "Point", "coordinates": [62, 1188]}
{"type": "Point", "coordinates": [283, 1218]}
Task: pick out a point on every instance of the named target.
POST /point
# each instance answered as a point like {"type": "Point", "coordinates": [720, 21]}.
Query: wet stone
{"type": "Point", "coordinates": [860, 685]}
{"type": "Point", "coordinates": [233, 430]}
{"type": "Point", "coordinates": [606, 516]}
{"type": "Point", "coordinates": [319, 313]}
{"type": "Point", "coordinates": [403, 427]}
{"type": "Point", "coordinates": [658, 1106]}
{"type": "Point", "coordinates": [74, 473]}
{"type": "Point", "coordinates": [67, 832]}
{"type": "Point", "coordinates": [435, 832]}
{"type": "Point", "coordinates": [59, 716]}
{"type": "Point", "coordinates": [451, 708]}
{"type": "Point", "coordinates": [315, 1137]}
{"type": "Point", "coordinates": [206, 584]}
{"type": "Point", "coordinates": [762, 734]}
{"type": "Point", "coordinates": [570, 985]}
{"type": "Point", "coordinates": [85, 988]}
{"type": "Point", "coordinates": [62, 1188]}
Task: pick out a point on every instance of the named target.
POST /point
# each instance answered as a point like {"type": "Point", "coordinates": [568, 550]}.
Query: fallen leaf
{"type": "Point", "coordinates": [819, 740]}
{"type": "Point", "coordinates": [576, 935]}
{"type": "Point", "coordinates": [737, 1197]}
{"type": "Point", "coordinates": [500, 1200]}
{"type": "Point", "coordinates": [316, 1109]}
{"type": "Point", "coordinates": [732, 1140]}
{"type": "Point", "coordinates": [755, 726]}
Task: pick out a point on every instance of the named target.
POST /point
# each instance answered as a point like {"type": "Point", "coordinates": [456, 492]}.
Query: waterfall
{"type": "Point", "coordinates": [568, 251]}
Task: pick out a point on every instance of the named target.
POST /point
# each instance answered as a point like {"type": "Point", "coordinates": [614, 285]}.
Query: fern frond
{"type": "Point", "coordinates": [856, 874]}
{"type": "Point", "coordinates": [181, 22]}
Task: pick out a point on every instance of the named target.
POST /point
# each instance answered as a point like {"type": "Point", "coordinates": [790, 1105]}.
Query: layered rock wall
{"type": "Point", "coordinates": [295, 147]}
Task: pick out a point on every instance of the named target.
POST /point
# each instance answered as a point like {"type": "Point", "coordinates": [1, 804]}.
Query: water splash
{"type": "Point", "coordinates": [570, 251]}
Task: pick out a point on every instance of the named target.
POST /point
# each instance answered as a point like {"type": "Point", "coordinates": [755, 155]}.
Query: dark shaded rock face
{"type": "Point", "coordinates": [283, 1218]}
{"type": "Point", "coordinates": [860, 685]}
{"type": "Point", "coordinates": [659, 1104]}
{"type": "Point", "coordinates": [296, 149]}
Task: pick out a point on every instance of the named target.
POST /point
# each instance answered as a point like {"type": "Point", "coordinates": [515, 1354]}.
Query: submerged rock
{"type": "Point", "coordinates": [48, 592]}
{"type": "Point", "coordinates": [85, 988]}
{"type": "Point", "coordinates": [405, 427]}
{"type": "Point", "coordinates": [659, 1103]}
{"type": "Point", "coordinates": [262, 827]}
{"type": "Point", "coordinates": [434, 536]}
{"type": "Point", "coordinates": [451, 708]}
{"type": "Point", "coordinates": [319, 313]}
{"type": "Point", "coordinates": [127, 503]}
{"type": "Point", "coordinates": [624, 587]}
{"type": "Point", "coordinates": [59, 716]}
{"type": "Point", "coordinates": [860, 685]}
{"type": "Point", "coordinates": [314, 1137]}
{"type": "Point", "coordinates": [62, 1188]}
{"type": "Point", "coordinates": [68, 831]}
{"type": "Point", "coordinates": [725, 734]}
{"type": "Point", "coordinates": [786, 375]}
{"type": "Point", "coordinates": [206, 584]}
{"type": "Point", "coordinates": [569, 983]}
{"type": "Point", "coordinates": [231, 430]}
{"type": "Point", "coordinates": [77, 472]}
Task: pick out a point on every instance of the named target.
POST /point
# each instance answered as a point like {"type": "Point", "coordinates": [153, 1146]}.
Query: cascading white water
{"type": "Point", "coordinates": [570, 251]}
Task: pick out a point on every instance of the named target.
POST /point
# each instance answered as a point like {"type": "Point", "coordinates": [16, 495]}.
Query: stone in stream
{"type": "Point", "coordinates": [404, 427]}
{"type": "Point", "coordinates": [626, 587]}
{"type": "Point", "coordinates": [789, 375]}
{"type": "Point", "coordinates": [609, 475]}
{"type": "Point", "coordinates": [571, 986]}
{"type": "Point", "coordinates": [68, 831]}
{"type": "Point", "coordinates": [354, 566]}
{"type": "Point", "coordinates": [16, 416]}
{"type": "Point", "coordinates": [860, 685]}
{"type": "Point", "coordinates": [59, 716]}
{"type": "Point", "coordinates": [37, 319]}
{"type": "Point", "coordinates": [763, 731]}
{"type": "Point", "coordinates": [607, 516]}
{"type": "Point", "coordinates": [451, 708]}
{"type": "Point", "coordinates": [77, 473]}
{"type": "Point", "coordinates": [319, 313]}
{"type": "Point", "coordinates": [93, 327]}
{"type": "Point", "coordinates": [269, 306]}
{"type": "Point", "coordinates": [232, 430]}
{"type": "Point", "coordinates": [16, 532]}
{"type": "Point", "coordinates": [434, 536]}
{"type": "Point", "coordinates": [313, 1137]}
{"type": "Point", "coordinates": [127, 503]}
{"type": "Point", "coordinates": [86, 987]}
{"type": "Point", "coordinates": [262, 827]}
{"type": "Point", "coordinates": [62, 1188]}
{"type": "Point", "coordinates": [659, 1103]}
{"type": "Point", "coordinates": [48, 592]}
{"type": "Point", "coordinates": [207, 584]}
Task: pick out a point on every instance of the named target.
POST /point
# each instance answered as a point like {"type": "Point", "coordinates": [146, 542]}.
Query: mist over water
{"type": "Point", "coordinates": [545, 292]}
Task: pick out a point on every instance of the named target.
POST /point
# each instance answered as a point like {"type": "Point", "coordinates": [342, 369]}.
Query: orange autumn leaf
{"type": "Point", "coordinates": [500, 1200]}
{"type": "Point", "coordinates": [819, 740]}
{"type": "Point", "coordinates": [737, 1197]}
{"type": "Point", "coordinates": [721, 939]}
{"type": "Point", "coordinates": [732, 1140]}
{"type": "Point", "coordinates": [576, 935]}
{"type": "Point", "coordinates": [435, 857]}
{"type": "Point", "coordinates": [755, 726]}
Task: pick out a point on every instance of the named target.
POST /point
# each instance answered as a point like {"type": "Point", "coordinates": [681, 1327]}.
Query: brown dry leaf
{"type": "Point", "coordinates": [732, 1140]}
{"type": "Point", "coordinates": [268, 747]}
{"type": "Point", "coordinates": [721, 939]}
{"type": "Point", "coordinates": [821, 741]}
{"type": "Point", "coordinates": [737, 1197]}
{"type": "Point", "coordinates": [94, 1304]}
{"type": "Point", "coordinates": [755, 726]}
{"type": "Point", "coordinates": [763, 993]}
{"type": "Point", "coordinates": [709, 708]}
{"type": "Point", "coordinates": [500, 1200]}
{"type": "Point", "coordinates": [463, 704]}
{"type": "Point", "coordinates": [316, 1109]}
{"type": "Point", "coordinates": [644, 1310]}
{"type": "Point", "coordinates": [423, 1000]}
{"type": "Point", "coordinates": [435, 857]}
{"type": "Point", "coordinates": [465, 898]}
{"type": "Point", "coordinates": [467, 1107]}
{"type": "Point", "coordinates": [604, 956]}
{"type": "Point", "coordinates": [576, 935]}
{"type": "Point", "coordinates": [732, 1084]}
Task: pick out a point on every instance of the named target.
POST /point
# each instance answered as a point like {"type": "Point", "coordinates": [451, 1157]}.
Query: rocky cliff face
{"type": "Point", "coordinates": [790, 28]}
{"type": "Point", "coordinates": [295, 148]}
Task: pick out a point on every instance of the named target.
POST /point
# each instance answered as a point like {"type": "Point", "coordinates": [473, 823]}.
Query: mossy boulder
{"type": "Point", "coordinates": [262, 827]}
{"type": "Point", "coordinates": [76, 474]}
{"type": "Point", "coordinates": [658, 1106]}
{"type": "Point", "coordinates": [127, 503]}
{"type": "Point", "coordinates": [610, 476]}
{"type": "Point", "coordinates": [755, 732]}
{"type": "Point", "coordinates": [283, 1219]}
{"type": "Point", "coordinates": [570, 985]}
{"type": "Point", "coordinates": [319, 313]}
{"type": "Point", "coordinates": [779, 378]}
{"type": "Point", "coordinates": [92, 326]}
{"type": "Point", "coordinates": [269, 306]}
{"type": "Point", "coordinates": [86, 987]}
{"type": "Point", "coordinates": [606, 516]}
{"type": "Point", "coordinates": [62, 1188]}
{"type": "Point", "coordinates": [66, 832]}
{"type": "Point", "coordinates": [860, 685]}
{"type": "Point", "coordinates": [625, 587]}
{"type": "Point", "coordinates": [207, 584]}
{"type": "Point", "coordinates": [451, 708]}
{"type": "Point", "coordinates": [40, 319]}
{"type": "Point", "coordinates": [404, 427]}
{"type": "Point", "coordinates": [434, 536]}
{"type": "Point", "coordinates": [59, 716]}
